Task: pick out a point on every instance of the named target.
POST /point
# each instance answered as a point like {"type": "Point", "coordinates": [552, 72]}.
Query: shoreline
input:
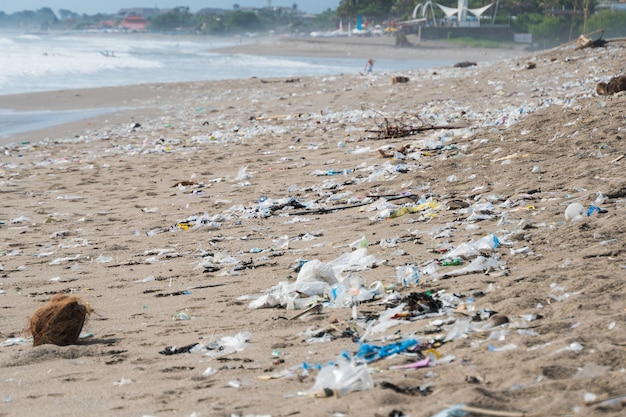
{"type": "Point", "coordinates": [140, 97]}
{"type": "Point", "coordinates": [372, 47]}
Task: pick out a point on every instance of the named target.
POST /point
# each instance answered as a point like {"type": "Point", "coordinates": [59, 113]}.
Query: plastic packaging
{"type": "Point", "coordinates": [357, 260]}
{"type": "Point", "coordinates": [472, 248]}
{"type": "Point", "coordinates": [407, 275]}
{"type": "Point", "coordinates": [574, 212]}
{"type": "Point", "coordinates": [459, 329]}
{"type": "Point", "coordinates": [385, 320]}
{"type": "Point", "coordinates": [371, 353]}
{"type": "Point", "coordinates": [225, 346]}
{"type": "Point", "coordinates": [340, 379]}
{"type": "Point", "coordinates": [480, 264]}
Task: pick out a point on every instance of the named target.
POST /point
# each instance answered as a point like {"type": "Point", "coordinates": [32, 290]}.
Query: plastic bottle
{"type": "Point", "coordinates": [452, 262]}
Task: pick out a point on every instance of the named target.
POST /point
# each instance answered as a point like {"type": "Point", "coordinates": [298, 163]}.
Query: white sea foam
{"type": "Point", "coordinates": [66, 61]}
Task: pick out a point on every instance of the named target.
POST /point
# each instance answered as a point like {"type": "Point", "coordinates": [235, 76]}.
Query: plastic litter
{"type": "Point", "coordinates": [574, 212]}
{"type": "Point", "coordinates": [387, 319]}
{"type": "Point", "coordinates": [225, 346]}
{"type": "Point", "coordinates": [480, 264]}
{"type": "Point", "coordinates": [407, 275]}
{"type": "Point", "coordinates": [473, 247]}
{"type": "Point", "coordinates": [453, 411]}
{"type": "Point", "coordinates": [315, 278]}
{"type": "Point", "coordinates": [339, 379]}
{"type": "Point", "coordinates": [372, 353]}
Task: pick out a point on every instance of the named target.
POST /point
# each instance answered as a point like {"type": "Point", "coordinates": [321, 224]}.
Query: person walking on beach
{"type": "Point", "coordinates": [369, 66]}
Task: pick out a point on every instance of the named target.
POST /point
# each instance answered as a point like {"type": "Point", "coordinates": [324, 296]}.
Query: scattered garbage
{"type": "Point", "coordinates": [317, 279]}
{"type": "Point", "coordinates": [484, 233]}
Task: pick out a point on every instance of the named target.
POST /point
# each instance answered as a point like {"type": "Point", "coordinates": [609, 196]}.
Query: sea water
{"type": "Point", "coordinates": [62, 61]}
{"type": "Point", "coordinates": [48, 62]}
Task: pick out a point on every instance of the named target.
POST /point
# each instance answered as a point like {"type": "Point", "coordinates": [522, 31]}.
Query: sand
{"type": "Point", "coordinates": [372, 47]}
{"type": "Point", "coordinates": [171, 216]}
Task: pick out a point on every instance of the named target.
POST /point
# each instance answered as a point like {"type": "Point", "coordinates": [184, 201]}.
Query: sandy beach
{"type": "Point", "coordinates": [202, 221]}
{"type": "Point", "coordinates": [372, 47]}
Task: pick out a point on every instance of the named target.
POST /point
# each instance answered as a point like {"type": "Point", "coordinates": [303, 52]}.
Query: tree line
{"type": "Point", "coordinates": [549, 21]}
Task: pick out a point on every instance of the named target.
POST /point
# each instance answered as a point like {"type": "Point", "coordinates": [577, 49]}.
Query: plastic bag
{"type": "Point", "coordinates": [340, 379]}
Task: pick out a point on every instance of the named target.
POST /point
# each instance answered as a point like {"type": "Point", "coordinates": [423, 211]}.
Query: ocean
{"type": "Point", "coordinates": [50, 62]}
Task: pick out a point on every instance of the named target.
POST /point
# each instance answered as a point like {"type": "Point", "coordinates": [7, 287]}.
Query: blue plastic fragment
{"type": "Point", "coordinates": [371, 353]}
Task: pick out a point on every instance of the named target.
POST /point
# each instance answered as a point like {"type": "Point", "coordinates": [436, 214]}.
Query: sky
{"type": "Point", "coordinates": [113, 6]}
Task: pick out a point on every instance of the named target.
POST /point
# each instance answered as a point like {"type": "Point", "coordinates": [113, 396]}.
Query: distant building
{"type": "Point", "coordinates": [134, 23]}
{"type": "Point", "coordinates": [618, 6]}
{"type": "Point", "coordinates": [145, 12]}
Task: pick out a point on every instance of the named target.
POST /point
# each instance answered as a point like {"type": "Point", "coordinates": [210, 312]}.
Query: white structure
{"type": "Point", "coordinates": [460, 11]}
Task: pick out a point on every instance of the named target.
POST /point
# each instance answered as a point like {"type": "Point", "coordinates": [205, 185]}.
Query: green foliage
{"type": "Point", "coordinates": [613, 23]}
{"type": "Point", "coordinates": [65, 14]}
{"type": "Point", "coordinates": [209, 25]}
{"type": "Point", "coordinates": [370, 9]}
{"type": "Point", "coordinates": [521, 23]}
{"type": "Point", "coordinates": [241, 21]}
{"type": "Point", "coordinates": [551, 31]}
{"type": "Point", "coordinates": [176, 19]}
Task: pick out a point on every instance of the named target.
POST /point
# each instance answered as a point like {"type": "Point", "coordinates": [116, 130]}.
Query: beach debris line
{"type": "Point", "coordinates": [289, 80]}
{"type": "Point", "coordinates": [59, 321]}
{"type": "Point", "coordinates": [403, 126]}
{"type": "Point", "coordinates": [276, 116]}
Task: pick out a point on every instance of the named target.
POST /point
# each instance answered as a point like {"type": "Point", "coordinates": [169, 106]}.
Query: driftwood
{"type": "Point", "coordinates": [464, 64]}
{"type": "Point", "coordinates": [290, 80]}
{"type": "Point", "coordinates": [324, 210]}
{"type": "Point", "coordinates": [408, 126]}
{"type": "Point", "coordinates": [495, 413]}
{"type": "Point", "coordinates": [584, 42]}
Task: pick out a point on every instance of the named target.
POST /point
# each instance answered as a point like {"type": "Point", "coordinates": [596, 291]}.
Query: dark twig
{"type": "Point", "coordinates": [403, 127]}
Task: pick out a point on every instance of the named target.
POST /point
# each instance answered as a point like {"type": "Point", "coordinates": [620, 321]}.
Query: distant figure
{"type": "Point", "coordinates": [369, 66]}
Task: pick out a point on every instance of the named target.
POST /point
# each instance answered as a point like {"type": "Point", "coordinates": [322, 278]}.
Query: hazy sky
{"type": "Point", "coordinates": [112, 6]}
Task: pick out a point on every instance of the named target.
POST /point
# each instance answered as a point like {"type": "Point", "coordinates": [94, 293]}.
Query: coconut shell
{"type": "Point", "coordinates": [59, 321]}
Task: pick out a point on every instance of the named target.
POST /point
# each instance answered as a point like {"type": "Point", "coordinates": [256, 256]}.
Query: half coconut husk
{"type": "Point", "coordinates": [60, 321]}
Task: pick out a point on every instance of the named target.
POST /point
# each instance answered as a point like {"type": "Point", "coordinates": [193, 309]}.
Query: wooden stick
{"type": "Point", "coordinates": [278, 116]}
{"type": "Point", "coordinates": [515, 156]}
{"type": "Point", "coordinates": [495, 413]}
{"type": "Point", "coordinates": [324, 210]}
{"type": "Point", "coordinates": [316, 308]}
